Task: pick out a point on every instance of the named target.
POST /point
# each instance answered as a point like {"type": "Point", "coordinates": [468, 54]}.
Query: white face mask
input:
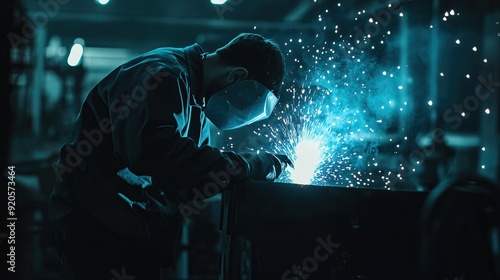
{"type": "Point", "coordinates": [240, 104]}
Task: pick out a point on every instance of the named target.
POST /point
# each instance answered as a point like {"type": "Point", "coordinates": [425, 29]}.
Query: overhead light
{"type": "Point", "coordinates": [76, 53]}
{"type": "Point", "coordinates": [218, 2]}
{"type": "Point", "coordinates": [102, 2]}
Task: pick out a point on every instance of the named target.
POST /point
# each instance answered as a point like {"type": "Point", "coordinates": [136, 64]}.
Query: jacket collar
{"type": "Point", "coordinates": [195, 72]}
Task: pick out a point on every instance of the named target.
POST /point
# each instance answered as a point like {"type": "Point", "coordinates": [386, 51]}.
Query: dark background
{"type": "Point", "coordinates": [41, 94]}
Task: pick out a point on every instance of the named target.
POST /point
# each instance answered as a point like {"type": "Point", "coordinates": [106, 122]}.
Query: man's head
{"type": "Point", "coordinates": [247, 56]}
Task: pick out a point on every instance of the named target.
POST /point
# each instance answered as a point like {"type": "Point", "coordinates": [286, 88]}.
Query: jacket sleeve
{"type": "Point", "coordinates": [148, 139]}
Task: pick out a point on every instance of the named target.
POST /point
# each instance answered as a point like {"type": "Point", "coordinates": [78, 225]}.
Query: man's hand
{"type": "Point", "coordinates": [285, 161]}
{"type": "Point", "coordinates": [266, 166]}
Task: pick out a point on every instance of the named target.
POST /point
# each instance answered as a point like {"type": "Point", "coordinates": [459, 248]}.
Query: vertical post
{"type": "Point", "coordinates": [434, 61]}
{"type": "Point", "coordinates": [183, 262]}
{"type": "Point", "coordinates": [490, 123]}
{"type": "Point", "coordinates": [403, 62]}
{"type": "Point", "coordinates": [38, 76]}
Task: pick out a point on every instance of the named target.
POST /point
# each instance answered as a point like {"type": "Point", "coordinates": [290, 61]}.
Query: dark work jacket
{"type": "Point", "coordinates": [140, 149]}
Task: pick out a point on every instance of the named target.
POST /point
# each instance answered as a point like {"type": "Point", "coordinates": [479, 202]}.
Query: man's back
{"type": "Point", "coordinates": [140, 152]}
{"type": "Point", "coordinates": [94, 171]}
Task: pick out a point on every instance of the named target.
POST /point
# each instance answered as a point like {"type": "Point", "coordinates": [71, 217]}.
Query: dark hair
{"type": "Point", "coordinates": [260, 56]}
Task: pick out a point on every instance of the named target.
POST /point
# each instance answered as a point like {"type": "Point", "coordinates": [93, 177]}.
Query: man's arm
{"type": "Point", "coordinates": [149, 141]}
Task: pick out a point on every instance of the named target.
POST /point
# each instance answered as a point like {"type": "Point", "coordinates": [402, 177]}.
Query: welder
{"type": "Point", "coordinates": [140, 153]}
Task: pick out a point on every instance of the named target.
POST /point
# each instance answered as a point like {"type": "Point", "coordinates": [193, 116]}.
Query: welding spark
{"type": "Point", "coordinates": [332, 123]}
{"type": "Point", "coordinates": [309, 156]}
{"type": "Point", "coordinates": [344, 100]}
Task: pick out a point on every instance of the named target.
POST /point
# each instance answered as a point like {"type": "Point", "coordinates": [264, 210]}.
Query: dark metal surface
{"type": "Point", "coordinates": [273, 227]}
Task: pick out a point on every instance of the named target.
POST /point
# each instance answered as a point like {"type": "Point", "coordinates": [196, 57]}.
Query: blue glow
{"type": "Point", "coordinates": [351, 91]}
{"type": "Point", "coordinates": [218, 2]}
{"type": "Point", "coordinates": [308, 157]}
{"type": "Point", "coordinates": [340, 112]}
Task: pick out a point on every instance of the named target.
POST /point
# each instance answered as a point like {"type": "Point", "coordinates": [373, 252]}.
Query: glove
{"type": "Point", "coordinates": [265, 166]}
{"type": "Point", "coordinates": [285, 161]}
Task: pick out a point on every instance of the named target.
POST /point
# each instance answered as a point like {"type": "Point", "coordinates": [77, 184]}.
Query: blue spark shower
{"type": "Point", "coordinates": [349, 94]}
{"type": "Point", "coordinates": [344, 103]}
